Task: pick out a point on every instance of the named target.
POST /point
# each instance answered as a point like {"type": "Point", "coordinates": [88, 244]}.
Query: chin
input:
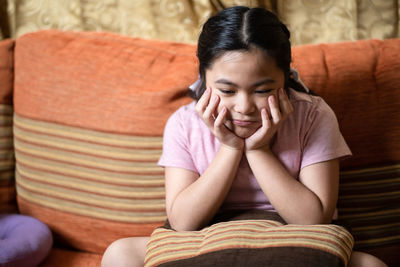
{"type": "Point", "coordinates": [242, 132]}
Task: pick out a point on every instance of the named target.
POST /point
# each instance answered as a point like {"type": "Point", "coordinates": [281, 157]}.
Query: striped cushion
{"type": "Point", "coordinates": [7, 162]}
{"type": "Point", "coordinates": [251, 243]}
{"type": "Point", "coordinates": [369, 202]}
{"type": "Point", "coordinates": [88, 133]}
{"type": "Point", "coordinates": [106, 176]}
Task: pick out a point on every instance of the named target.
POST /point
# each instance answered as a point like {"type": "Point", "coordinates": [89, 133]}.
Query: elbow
{"type": "Point", "coordinates": [310, 221]}
{"type": "Point", "coordinates": [312, 217]}
{"type": "Point", "coordinates": [181, 226]}
{"type": "Point", "coordinates": [319, 218]}
{"type": "Point", "coordinates": [181, 223]}
{"type": "Point", "coordinates": [320, 214]}
{"type": "Point", "coordinates": [307, 221]}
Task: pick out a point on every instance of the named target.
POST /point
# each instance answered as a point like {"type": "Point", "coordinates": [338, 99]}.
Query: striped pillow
{"type": "Point", "coordinates": [88, 132]}
{"type": "Point", "coordinates": [369, 202]}
{"type": "Point", "coordinates": [7, 162]}
{"type": "Point", "coordinates": [251, 243]}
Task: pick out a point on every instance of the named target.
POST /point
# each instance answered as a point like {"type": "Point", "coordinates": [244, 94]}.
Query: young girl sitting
{"type": "Point", "coordinates": [255, 138]}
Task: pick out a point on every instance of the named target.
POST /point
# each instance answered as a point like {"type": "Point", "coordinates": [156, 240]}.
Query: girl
{"type": "Point", "coordinates": [254, 139]}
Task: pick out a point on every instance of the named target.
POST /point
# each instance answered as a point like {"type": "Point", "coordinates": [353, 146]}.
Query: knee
{"type": "Point", "coordinates": [123, 252]}
{"type": "Point", "coordinates": [114, 253]}
{"type": "Point", "coordinates": [363, 259]}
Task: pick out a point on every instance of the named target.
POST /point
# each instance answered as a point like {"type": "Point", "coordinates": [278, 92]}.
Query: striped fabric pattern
{"type": "Point", "coordinates": [7, 162]}
{"type": "Point", "coordinates": [167, 245]}
{"type": "Point", "coordinates": [369, 202]}
{"type": "Point", "coordinates": [106, 176]}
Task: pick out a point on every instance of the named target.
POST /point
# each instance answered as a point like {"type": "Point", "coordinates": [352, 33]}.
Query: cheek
{"type": "Point", "coordinates": [227, 103]}
{"type": "Point", "coordinates": [264, 103]}
{"type": "Point", "coordinates": [222, 102]}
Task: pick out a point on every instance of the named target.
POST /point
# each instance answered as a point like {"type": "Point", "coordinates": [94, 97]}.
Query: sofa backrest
{"type": "Point", "coordinates": [90, 109]}
{"type": "Point", "coordinates": [7, 163]}
{"type": "Point", "coordinates": [360, 81]}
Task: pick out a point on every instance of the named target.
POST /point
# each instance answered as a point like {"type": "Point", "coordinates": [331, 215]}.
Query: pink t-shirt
{"type": "Point", "coordinates": [310, 135]}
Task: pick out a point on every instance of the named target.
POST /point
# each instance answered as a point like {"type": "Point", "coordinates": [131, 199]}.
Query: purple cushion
{"type": "Point", "coordinates": [24, 241]}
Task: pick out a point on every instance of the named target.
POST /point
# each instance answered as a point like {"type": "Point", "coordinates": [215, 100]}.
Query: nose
{"type": "Point", "coordinates": [244, 104]}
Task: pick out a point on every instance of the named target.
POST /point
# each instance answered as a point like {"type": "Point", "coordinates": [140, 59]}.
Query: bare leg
{"type": "Point", "coordinates": [125, 252]}
{"type": "Point", "coordinates": [362, 259]}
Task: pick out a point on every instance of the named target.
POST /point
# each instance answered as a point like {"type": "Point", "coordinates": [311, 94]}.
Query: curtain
{"type": "Point", "coordinates": [310, 21]}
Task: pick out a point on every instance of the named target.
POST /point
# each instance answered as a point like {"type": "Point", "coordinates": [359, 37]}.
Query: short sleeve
{"type": "Point", "coordinates": [176, 152]}
{"type": "Point", "coordinates": [323, 140]}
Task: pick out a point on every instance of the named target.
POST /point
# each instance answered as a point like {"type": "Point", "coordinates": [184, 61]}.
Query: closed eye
{"type": "Point", "coordinates": [225, 91]}
{"type": "Point", "coordinates": [265, 91]}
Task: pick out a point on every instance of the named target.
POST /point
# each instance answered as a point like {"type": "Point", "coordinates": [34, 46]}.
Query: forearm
{"type": "Point", "coordinates": [195, 206]}
{"type": "Point", "coordinates": [295, 202]}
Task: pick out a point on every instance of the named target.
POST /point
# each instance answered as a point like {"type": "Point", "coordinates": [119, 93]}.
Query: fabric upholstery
{"type": "Point", "coordinates": [88, 133]}
{"type": "Point", "coordinates": [251, 242]}
{"type": "Point", "coordinates": [181, 20]}
{"type": "Point", "coordinates": [67, 258]}
{"type": "Point", "coordinates": [7, 162]}
{"type": "Point", "coordinates": [369, 202]}
{"type": "Point", "coordinates": [359, 80]}
{"type": "Point", "coordinates": [90, 110]}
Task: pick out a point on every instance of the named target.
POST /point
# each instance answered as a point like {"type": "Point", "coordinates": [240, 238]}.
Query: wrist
{"type": "Point", "coordinates": [261, 149]}
{"type": "Point", "coordinates": [237, 148]}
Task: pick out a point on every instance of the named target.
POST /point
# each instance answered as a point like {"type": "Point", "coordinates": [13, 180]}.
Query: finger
{"type": "Point", "coordinates": [219, 126]}
{"type": "Point", "coordinates": [274, 109]}
{"type": "Point", "coordinates": [284, 102]}
{"type": "Point", "coordinates": [203, 101]}
{"type": "Point", "coordinates": [219, 121]}
{"type": "Point", "coordinates": [211, 110]}
{"type": "Point", "coordinates": [266, 123]}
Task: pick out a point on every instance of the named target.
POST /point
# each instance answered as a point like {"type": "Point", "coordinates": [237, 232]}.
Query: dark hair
{"type": "Point", "coordinates": [241, 28]}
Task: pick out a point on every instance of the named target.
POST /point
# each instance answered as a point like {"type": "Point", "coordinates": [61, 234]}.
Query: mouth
{"type": "Point", "coordinates": [243, 122]}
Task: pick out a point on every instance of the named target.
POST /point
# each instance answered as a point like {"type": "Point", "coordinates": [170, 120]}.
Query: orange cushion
{"type": "Point", "coordinates": [101, 81]}
{"type": "Point", "coordinates": [7, 163]}
{"type": "Point", "coordinates": [360, 81]}
{"type": "Point", "coordinates": [90, 110]}
{"type": "Point", "coordinates": [66, 258]}
{"type": "Point", "coordinates": [6, 71]}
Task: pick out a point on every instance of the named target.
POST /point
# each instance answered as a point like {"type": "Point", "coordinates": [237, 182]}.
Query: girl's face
{"type": "Point", "coordinates": [244, 80]}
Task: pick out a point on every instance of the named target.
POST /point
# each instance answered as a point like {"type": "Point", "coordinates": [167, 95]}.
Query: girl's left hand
{"type": "Point", "coordinates": [280, 110]}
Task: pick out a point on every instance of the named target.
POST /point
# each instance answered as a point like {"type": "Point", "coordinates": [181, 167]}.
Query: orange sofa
{"type": "Point", "coordinates": [84, 113]}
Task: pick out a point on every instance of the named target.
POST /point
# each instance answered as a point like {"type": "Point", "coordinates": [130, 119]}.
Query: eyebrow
{"type": "Point", "coordinates": [261, 82]}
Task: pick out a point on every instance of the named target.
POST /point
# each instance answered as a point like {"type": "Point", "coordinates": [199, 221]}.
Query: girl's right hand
{"type": "Point", "coordinates": [206, 108]}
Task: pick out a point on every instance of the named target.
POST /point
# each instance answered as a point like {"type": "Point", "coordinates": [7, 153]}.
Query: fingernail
{"type": "Point", "coordinates": [208, 90]}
